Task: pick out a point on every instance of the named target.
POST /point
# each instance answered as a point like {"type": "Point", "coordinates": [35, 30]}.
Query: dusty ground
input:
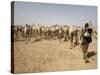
{"type": "Point", "coordinates": [51, 55]}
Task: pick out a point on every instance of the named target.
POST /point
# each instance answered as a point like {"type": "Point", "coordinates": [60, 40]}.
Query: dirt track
{"type": "Point", "coordinates": [50, 55]}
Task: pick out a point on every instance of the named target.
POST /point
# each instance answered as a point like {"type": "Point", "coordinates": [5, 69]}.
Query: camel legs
{"type": "Point", "coordinates": [71, 41]}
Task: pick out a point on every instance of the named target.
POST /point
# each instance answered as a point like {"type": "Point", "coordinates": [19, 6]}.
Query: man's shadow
{"type": "Point", "coordinates": [90, 54]}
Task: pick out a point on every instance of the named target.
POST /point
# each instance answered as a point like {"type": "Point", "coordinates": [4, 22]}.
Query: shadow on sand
{"type": "Point", "coordinates": [90, 54]}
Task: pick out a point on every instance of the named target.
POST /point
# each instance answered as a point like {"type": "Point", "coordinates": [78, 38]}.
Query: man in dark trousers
{"type": "Point", "coordinates": [86, 40]}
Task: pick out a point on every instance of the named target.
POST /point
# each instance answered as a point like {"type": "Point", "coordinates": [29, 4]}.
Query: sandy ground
{"type": "Point", "coordinates": [51, 55]}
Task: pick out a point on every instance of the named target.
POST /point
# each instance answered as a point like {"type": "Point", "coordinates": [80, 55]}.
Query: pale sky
{"type": "Point", "coordinates": [50, 14]}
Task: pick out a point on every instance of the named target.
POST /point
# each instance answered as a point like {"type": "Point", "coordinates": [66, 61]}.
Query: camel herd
{"type": "Point", "coordinates": [77, 35]}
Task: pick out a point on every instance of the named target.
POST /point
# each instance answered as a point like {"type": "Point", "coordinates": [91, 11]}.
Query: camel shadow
{"type": "Point", "coordinates": [37, 40]}
{"type": "Point", "coordinates": [90, 54]}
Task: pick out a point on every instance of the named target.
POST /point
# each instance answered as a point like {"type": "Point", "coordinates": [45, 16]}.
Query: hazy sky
{"type": "Point", "coordinates": [48, 14]}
